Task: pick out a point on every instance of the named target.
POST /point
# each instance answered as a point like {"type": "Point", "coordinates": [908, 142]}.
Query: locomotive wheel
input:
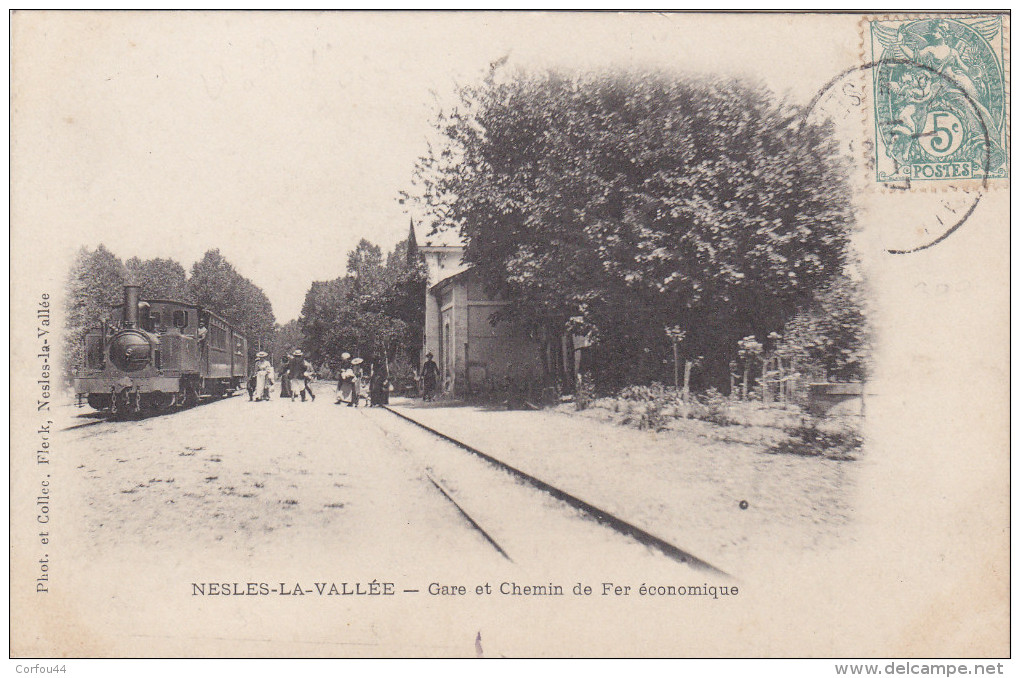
{"type": "Point", "coordinates": [99, 401]}
{"type": "Point", "coordinates": [157, 400]}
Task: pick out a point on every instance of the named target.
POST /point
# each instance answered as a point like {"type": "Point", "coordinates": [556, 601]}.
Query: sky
{"type": "Point", "coordinates": [282, 139]}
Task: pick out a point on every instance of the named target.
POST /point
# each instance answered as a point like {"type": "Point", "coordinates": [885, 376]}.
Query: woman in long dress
{"type": "Point", "coordinates": [379, 390]}
{"type": "Point", "coordinates": [285, 391]}
{"type": "Point", "coordinates": [347, 387]}
{"type": "Point", "coordinates": [300, 375]}
{"type": "Point", "coordinates": [263, 376]}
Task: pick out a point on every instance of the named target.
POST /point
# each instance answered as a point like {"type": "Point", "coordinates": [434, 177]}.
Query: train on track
{"type": "Point", "coordinates": [159, 354]}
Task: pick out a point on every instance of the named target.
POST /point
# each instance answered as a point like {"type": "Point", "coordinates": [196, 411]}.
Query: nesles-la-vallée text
{"type": "Point", "coordinates": [226, 588]}
{"type": "Point", "coordinates": [42, 314]}
{"type": "Point", "coordinates": [43, 448]}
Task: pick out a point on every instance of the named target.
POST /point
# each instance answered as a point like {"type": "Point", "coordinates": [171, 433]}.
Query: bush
{"type": "Point", "coordinates": [652, 392]}
{"type": "Point", "coordinates": [821, 438]}
{"type": "Point", "coordinates": [714, 408]}
{"type": "Point", "coordinates": [653, 417]}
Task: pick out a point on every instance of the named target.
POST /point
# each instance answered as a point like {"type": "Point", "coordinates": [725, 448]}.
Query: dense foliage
{"type": "Point", "coordinates": [159, 278]}
{"type": "Point", "coordinates": [830, 335]}
{"type": "Point", "coordinates": [616, 205]}
{"type": "Point", "coordinates": [287, 338]}
{"type": "Point", "coordinates": [215, 284]}
{"type": "Point", "coordinates": [94, 285]}
{"type": "Point", "coordinates": [375, 311]}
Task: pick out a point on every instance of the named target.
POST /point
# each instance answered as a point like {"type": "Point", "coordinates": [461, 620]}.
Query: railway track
{"type": "Point", "coordinates": [589, 510]}
{"type": "Point", "coordinates": [106, 418]}
{"type": "Point", "coordinates": [87, 423]}
{"type": "Point", "coordinates": [467, 516]}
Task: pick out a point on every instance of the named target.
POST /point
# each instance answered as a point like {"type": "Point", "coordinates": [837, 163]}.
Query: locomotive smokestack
{"type": "Point", "coordinates": [131, 305]}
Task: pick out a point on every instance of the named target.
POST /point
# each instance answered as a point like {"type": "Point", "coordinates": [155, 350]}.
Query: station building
{"type": "Point", "coordinates": [474, 354]}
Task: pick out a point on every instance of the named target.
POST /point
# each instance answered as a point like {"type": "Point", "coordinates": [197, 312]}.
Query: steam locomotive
{"type": "Point", "coordinates": [158, 354]}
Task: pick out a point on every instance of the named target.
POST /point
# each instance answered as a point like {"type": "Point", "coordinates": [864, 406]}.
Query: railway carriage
{"type": "Point", "coordinates": [159, 354]}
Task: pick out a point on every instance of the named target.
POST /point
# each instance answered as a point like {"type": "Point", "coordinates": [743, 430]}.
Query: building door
{"type": "Point", "coordinates": [447, 351]}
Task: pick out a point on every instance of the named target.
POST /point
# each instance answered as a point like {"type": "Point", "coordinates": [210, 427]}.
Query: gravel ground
{"type": "Point", "coordinates": [258, 478]}
{"type": "Point", "coordinates": [686, 489]}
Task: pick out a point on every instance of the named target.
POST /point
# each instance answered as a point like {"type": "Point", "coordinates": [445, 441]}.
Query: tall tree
{"type": "Point", "coordinates": [617, 204]}
{"type": "Point", "coordinates": [326, 303]}
{"type": "Point", "coordinates": [94, 285]}
{"type": "Point", "coordinates": [159, 278]}
{"type": "Point", "coordinates": [287, 338]}
{"type": "Point", "coordinates": [365, 269]}
{"type": "Point", "coordinates": [405, 279]}
{"type": "Point", "coordinates": [376, 310]}
{"type": "Point", "coordinates": [216, 285]}
{"type": "Point", "coordinates": [830, 335]}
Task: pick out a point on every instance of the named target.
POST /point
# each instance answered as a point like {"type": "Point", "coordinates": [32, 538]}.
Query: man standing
{"type": "Point", "coordinates": [430, 376]}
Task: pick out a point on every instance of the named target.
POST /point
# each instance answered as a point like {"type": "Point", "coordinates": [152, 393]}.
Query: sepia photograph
{"type": "Point", "coordinates": [510, 334]}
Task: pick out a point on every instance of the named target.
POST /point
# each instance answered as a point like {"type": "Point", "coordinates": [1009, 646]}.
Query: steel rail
{"type": "Point", "coordinates": [467, 516]}
{"type": "Point", "coordinates": [601, 516]}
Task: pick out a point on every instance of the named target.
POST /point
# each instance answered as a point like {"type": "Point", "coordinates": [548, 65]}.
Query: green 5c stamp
{"type": "Point", "coordinates": [941, 99]}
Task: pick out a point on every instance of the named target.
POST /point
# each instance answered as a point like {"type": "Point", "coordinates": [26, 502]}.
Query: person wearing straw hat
{"type": "Point", "coordinates": [349, 386]}
{"type": "Point", "coordinates": [300, 374]}
{"type": "Point", "coordinates": [263, 376]}
{"type": "Point", "coordinates": [356, 394]}
{"type": "Point", "coordinates": [345, 384]}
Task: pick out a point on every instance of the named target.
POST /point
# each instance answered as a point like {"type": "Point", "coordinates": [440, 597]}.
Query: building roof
{"type": "Point", "coordinates": [449, 280]}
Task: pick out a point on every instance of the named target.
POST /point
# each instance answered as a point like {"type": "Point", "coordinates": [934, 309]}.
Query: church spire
{"type": "Point", "coordinates": [412, 245]}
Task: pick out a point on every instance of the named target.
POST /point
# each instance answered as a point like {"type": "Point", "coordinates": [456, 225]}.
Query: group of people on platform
{"type": "Point", "coordinates": [297, 375]}
{"type": "Point", "coordinates": [351, 378]}
{"type": "Point", "coordinates": [295, 378]}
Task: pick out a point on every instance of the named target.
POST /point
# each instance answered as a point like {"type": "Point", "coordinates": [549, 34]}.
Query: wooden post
{"type": "Point", "coordinates": [676, 366]}
{"type": "Point", "coordinates": [783, 395]}
{"type": "Point", "coordinates": [794, 382]}
{"type": "Point", "coordinates": [687, 380]}
{"type": "Point", "coordinates": [567, 364]}
{"type": "Point", "coordinates": [766, 395]}
{"type": "Point", "coordinates": [676, 335]}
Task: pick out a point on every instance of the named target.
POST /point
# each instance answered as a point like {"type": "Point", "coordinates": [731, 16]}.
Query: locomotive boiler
{"type": "Point", "coordinates": [158, 354]}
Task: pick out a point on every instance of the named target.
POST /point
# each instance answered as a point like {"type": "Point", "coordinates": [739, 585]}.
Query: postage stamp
{"type": "Point", "coordinates": [941, 99]}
